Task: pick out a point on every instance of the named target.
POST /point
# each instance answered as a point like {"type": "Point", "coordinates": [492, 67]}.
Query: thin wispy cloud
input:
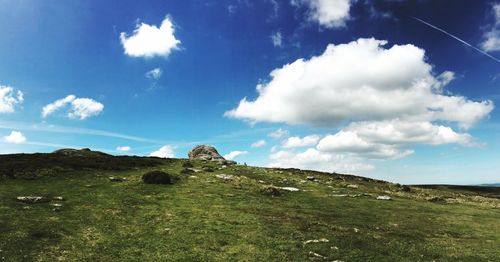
{"type": "Point", "coordinates": [456, 38]}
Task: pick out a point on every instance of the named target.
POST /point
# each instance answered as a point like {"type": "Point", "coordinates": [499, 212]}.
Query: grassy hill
{"type": "Point", "coordinates": [234, 213]}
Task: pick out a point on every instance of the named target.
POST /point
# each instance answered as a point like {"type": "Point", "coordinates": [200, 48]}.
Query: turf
{"type": "Point", "coordinates": [204, 218]}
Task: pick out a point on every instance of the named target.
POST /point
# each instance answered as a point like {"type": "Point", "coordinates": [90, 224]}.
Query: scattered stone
{"type": "Point", "coordinates": [271, 191]}
{"type": "Point", "coordinates": [261, 182]}
{"type": "Point", "coordinates": [157, 177]}
{"type": "Point", "coordinates": [287, 188]}
{"type": "Point", "coordinates": [356, 230]}
{"type": "Point", "coordinates": [116, 179]}
{"type": "Point", "coordinates": [26, 207]}
{"type": "Point", "coordinates": [321, 240]}
{"type": "Point", "coordinates": [352, 186]}
{"type": "Point", "coordinates": [32, 199]}
{"type": "Point", "coordinates": [225, 177]}
{"type": "Point", "coordinates": [316, 254]}
{"type": "Point", "coordinates": [311, 178]}
{"type": "Point", "coordinates": [384, 198]}
{"type": "Point", "coordinates": [340, 195]}
{"type": "Point", "coordinates": [194, 170]}
{"type": "Point", "coordinates": [334, 248]}
{"type": "Point", "coordinates": [56, 205]}
{"type": "Point", "coordinates": [58, 198]}
{"type": "Point", "coordinates": [193, 177]}
{"type": "Point", "coordinates": [223, 166]}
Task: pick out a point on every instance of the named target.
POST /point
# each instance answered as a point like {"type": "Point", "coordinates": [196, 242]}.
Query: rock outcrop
{"type": "Point", "coordinates": [208, 153]}
{"type": "Point", "coordinates": [204, 152]}
{"type": "Point", "coordinates": [84, 152]}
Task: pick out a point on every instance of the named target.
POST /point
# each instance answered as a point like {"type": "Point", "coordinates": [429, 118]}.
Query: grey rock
{"type": "Point", "coordinates": [204, 152]}
{"type": "Point", "coordinates": [32, 199]}
{"type": "Point", "coordinates": [383, 198]}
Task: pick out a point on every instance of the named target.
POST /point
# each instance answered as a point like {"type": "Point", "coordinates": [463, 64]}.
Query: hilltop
{"type": "Point", "coordinates": [96, 208]}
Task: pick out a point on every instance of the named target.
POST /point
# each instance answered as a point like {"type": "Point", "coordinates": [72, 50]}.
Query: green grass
{"type": "Point", "coordinates": [208, 219]}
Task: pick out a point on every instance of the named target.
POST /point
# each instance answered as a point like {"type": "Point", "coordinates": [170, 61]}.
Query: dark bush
{"type": "Point", "coordinates": [271, 191]}
{"type": "Point", "coordinates": [157, 177]}
{"type": "Point", "coordinates": [208, 169]}
{"type": "Point", "coordinates": [187, 171]}
{"type": "Point", "coordinates": [187, 164]}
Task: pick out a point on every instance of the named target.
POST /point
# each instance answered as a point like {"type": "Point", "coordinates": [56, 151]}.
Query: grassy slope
{"type": "Point", "coordinates": [208, 219]}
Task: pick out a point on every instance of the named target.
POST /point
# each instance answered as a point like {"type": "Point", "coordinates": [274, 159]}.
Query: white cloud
{"type": "Point", "coordinates": [389, 98]}
{"type": "Point", "coordinates": [166, 151]}
{"type": "Point", "coordinates": [15, 137]}
{"type": "Point", "coordinates": [316, 160]}
{"type": "Point", "coordinates": [150, 41]}
{"type": "Point", "coordinates": [279, 133]}
{"type": "Point", "coordinates": [328, 13]}
{"type": "Point", "coordinates": [296, 141]}
{"type": "Point", "coordinates": [492, 37]}
{"type": "Point", "coordinates": [277, 39]}
{"type": "Point", "coordinates": [259, 143]}
{"type": "Point", "coordinates": [234, 154]}
{"type": "Point", "coordinates": [390, 139]}
{"type": "Point", "coordinates": [9, 99]}
{"type": "Point", "coordinates": [154, 73]}
{"type": "Point", "coordinates": [80, 108]}
{"type": "Point", "coordinates": [123, 148]}
{"type": "Point", "coordinates": [359, 81]}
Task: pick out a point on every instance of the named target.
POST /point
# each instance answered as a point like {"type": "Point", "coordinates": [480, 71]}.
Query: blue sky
{"type": "Point", "coordinates": [349, 86]}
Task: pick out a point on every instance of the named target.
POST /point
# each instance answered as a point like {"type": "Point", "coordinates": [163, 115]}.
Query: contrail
{"type": "Point", "coordinates": [460, 40]}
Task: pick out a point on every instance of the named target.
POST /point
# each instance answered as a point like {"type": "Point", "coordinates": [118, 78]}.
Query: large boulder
{"type": "Point", "coordinates": [208, 153]}
{"type": "Point", "coordinates": [204, 152]}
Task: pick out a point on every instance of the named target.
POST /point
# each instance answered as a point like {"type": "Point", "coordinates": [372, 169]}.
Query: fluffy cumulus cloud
{"type": "Point", "coordinates": [149, 40]}
{"type": "Point", "coordinates": [154, 73]}
{"type": "Point", "coordinates": [9, 99]}
{"type": "Point", "coordinates": [123, 148]}
{"type": "Point", "coordinates": [79, 108]}
{"type": "Point", "coordinates": [15, 137]}
{"type": "Point", "coordinates": [389, 97]}
{"type": "Point", "coordinates": [166, 151]}
{"type": "Point", "coordinates": [390, 139]}
{"type": "Point", "coordinates": [296, 141]}
{"type": "Point", "coordinates": [259, 143]}
{"type": "Point", "coordinates": [233, 154]}
{"type": "Point", "coordinates": [328, 13]}
{"type": "Point", "coordinates": [492, 37]}
{"type": "Point", "coordinates": [316, 160]}
{"type": "Point", "coordinates": [360, 80]}
{"type": "Point", "coordinates": [279, 133]}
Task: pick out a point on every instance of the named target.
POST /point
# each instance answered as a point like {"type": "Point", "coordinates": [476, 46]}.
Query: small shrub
{"type": "Point", "coordinates": [208, 169]}
{"type": "Point", "coordinates": [271, 191]}
{"type": "Point", "coordinates": [187, 164]}
{"type": "Point", "coordinates": [157, 177]}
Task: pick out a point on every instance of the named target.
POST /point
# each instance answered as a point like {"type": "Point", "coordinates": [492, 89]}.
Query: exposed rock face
{"type": "Point", "coordinates": [78, 152]}
{"type": "Point", "coordinates": [204, 152]}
